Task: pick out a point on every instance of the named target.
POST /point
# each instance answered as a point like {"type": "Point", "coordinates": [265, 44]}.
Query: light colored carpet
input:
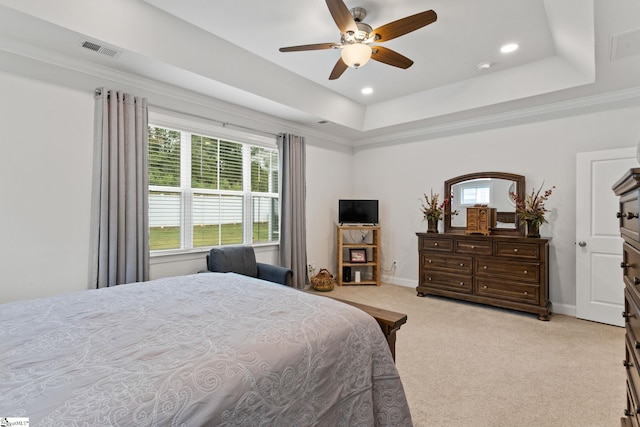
{"type": "Point", "coordinates": [466, 364]}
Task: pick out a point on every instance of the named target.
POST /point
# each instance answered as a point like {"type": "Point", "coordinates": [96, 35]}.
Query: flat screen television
{"type": "Point", "coordinates": [357, 211]}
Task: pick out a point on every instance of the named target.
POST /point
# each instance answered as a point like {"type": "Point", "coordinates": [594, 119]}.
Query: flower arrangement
{"type": "Point", "coordinates": [532, 207]}
{"type": "Point", "coordinates": [432, 210]}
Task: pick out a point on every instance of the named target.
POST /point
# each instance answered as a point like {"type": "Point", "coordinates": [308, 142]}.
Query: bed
{"type": "Point", "coordinates": [216, 349]}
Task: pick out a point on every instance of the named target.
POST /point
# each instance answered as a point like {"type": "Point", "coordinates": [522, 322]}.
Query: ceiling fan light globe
{"type": "Point", "coordinates": [356, 55]}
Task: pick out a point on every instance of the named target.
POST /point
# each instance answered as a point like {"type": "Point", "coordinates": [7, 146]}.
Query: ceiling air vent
{"type": "Point", "coordinates": [113, 53]}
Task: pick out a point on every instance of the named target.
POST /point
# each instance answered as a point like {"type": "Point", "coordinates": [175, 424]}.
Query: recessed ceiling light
{"type": "Point", "coordinates": [484, 65]}
{"type": "Point", "coordinates": [367, 91]}
{"type": "Point", "coordinates": [508, 48]}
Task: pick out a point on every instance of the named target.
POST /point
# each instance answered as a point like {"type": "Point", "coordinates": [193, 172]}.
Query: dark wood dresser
{"type": "Point", "coordinates": [504, 271]}
{"type": "Point", "coordinates": [627, 189]}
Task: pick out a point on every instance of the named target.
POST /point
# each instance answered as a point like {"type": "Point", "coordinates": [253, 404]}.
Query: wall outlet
{"type": "Point", "coordinates": [312, 268]}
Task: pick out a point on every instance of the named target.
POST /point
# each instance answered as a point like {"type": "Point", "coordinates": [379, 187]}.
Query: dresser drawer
{"type": "Point", "coordinates": [632, 321]}
{"type": "Point", "coordinates": [628, 215]}
{"type": "Point", "coordinates": [631, 267]}
{"type": "Point", "coordinates": [447, 282]}
{"type": "Point", "coordinates": [455, 264]}
{"type": "Point", "coordinates": [520, 292]}
{"type": "Point", "coordinates": [474, 247]}
{"type": "Point", "coordinates": [437, 244]}
{"type": "Point", "coordinates": [633, 410]}
{"type": "Point", "coordinates": [633, 375]}
{"type": "Point", "coordinates": [519, 271]}
{"type": "Point", "coordinates": [518, 250]}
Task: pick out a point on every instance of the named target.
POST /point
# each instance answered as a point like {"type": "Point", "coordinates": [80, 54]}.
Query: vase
{"type": "Point", "coordinates": [432, 226]}
{"type": "Point", "coordinates": [533, 229]}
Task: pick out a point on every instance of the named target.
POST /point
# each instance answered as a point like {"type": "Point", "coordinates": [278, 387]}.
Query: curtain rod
{"type": "Point", "coordinates": [223, 123]}
{"type": "Point", "coordinates": [99, 90]}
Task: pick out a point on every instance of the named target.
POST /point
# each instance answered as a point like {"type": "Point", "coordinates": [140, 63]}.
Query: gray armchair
{"type": "Point", "coordinates": [242, 260]}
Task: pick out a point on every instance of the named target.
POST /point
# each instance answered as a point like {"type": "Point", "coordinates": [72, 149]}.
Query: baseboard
{"type": "Point", "coordinates": [557, 308]}
{"type": "Point", "coordinates": [407, 283]}
{"type": "Point", "coordinates": [566, 309]}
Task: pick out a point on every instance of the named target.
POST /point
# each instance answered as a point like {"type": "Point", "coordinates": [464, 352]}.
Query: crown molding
{"type": "Point", "coordinates": [583, 105]}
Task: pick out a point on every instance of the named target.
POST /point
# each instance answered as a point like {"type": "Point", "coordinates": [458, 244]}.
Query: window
{"type": "Point", "coordinates": [475, 192]}
{"type": "Point", "coordinates": [208, 189]}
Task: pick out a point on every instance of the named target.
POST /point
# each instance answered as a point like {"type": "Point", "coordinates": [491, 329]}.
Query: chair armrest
{"type": "Point", "coordinates": [275, 273]}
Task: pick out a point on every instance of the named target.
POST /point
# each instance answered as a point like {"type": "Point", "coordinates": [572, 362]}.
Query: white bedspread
{"type": "Point", "coordinates": [207, 349]}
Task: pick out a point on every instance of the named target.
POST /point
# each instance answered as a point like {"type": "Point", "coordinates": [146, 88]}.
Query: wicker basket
{"type": "Point", "coordinates": [323, 281]}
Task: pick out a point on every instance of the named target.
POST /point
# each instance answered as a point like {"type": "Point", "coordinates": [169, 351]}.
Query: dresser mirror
{"type": "Point", "coordinates": [485, 188]}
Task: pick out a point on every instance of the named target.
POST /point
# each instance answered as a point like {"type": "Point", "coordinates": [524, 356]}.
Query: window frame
{"type": "Point", "coordinates": [200, 126]}
{"type": "Point", "coordinates": [475, 184]}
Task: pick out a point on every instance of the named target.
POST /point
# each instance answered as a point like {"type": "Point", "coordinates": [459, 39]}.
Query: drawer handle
{"type": "Point", "coordinates": [628, 215]}
{"type": "Point", "coordinates": [627, 316]}
{"type": "Point", "coordinates": [429, 278]}
{"type": "Point", "coordinates": [484, 287]}
{"type": "Point", "coordinates": [525, 272]}
{"type": "Point", "coordinates": [461, 264]}
{"type": "Point", "coordinates": [526, 293]}
{"type": "Point", "coordinates": [515, 250]}
{"type": "Point", "coordinates": [429, 261]}
{"type": "Point", "coordinates": [461, 283]}
{"type": "Point", "coordinates": [473, 246]}
{"type": "Point", "coordinates": [485, 267]}
{"type": "Point", "coordinates": [435, 244]}
{"type": "Point", "coordinates": [624, 265]}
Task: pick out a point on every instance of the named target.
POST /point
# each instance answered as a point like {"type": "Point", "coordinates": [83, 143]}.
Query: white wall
{"type": "Point", "coordinates": [46, 147]}
{"type": "Point", "coordinates": [329, 178]}
{"type": "Point", "coordinates": [542, 151]}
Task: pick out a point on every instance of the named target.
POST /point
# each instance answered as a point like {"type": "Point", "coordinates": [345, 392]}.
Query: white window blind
{"type": "Point", "coordinates": [208, 191]}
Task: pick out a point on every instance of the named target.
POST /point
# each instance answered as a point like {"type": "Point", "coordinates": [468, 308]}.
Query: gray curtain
{"type": "Point", "coordinates": [293, 231]}
{"type": "Point", "coordinates": [120, 232]}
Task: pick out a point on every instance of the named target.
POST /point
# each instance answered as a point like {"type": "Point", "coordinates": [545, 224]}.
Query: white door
{"type": "Point", "coordinates": [599, 285]}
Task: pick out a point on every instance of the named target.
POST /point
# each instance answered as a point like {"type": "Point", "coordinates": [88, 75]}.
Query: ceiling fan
{"type": "Point", "coordinates": [357, 38]}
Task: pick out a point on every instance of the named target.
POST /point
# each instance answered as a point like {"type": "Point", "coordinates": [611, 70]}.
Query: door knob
{"type": "Point", "coordinates": [582, 244]}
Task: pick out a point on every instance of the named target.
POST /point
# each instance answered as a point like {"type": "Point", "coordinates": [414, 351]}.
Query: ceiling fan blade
{"type": "Point", "coordinates": [338, 69]}
{"type": "Point", "coordinates": [390, 57]}
{"type": "Point", "coordinates": [317, 46]}
{"type": "Point", "coordinates": [342, 16]}
{"type": "Point", "coordinates": [405, 25]}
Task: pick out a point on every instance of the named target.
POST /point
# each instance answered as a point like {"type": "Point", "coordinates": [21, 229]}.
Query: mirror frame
{"type": "Point", "coordinates": [520, 188]}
